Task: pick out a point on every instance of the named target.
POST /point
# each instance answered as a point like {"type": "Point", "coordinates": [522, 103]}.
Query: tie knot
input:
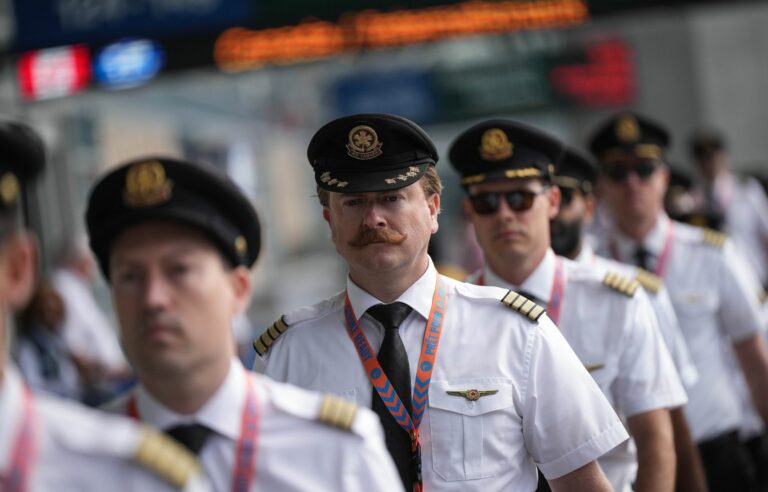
{"type": "Point", "coordinates": [390, 315]}
{"type": "Point", "coordinates": [192, 436]}
{"type": "Point", "coordinates": [643, 257]}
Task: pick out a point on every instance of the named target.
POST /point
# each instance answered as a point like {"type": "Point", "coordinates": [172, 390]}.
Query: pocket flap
{"type": "Point", "coordinates": [471, 396]}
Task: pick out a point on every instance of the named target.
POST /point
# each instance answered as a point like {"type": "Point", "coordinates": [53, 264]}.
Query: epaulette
{"type": "Point", "coordinates": [166, 458]}
{"type": "Point", "coordinates": [266, 339]}
{"type": "Point", "coordinates": [650, 281]}
{"type": "Point", "coordinates": [337, 412]}
{"type": "Point", "coordinates": [625, 285]}
{"type": "Point", "coordinates": [523, 305]}
{"type": "Point", "coordinates": [714, 238]}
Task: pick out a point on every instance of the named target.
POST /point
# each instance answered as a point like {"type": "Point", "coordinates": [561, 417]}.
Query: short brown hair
{"type": "Point", "coordinates": [430, 183]}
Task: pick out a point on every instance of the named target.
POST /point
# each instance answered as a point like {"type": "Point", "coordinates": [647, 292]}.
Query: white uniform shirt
{"type": "Point", "coordinates": [294, 452]}
{"type": "Point", "coordinates": [662, 307]}
{"type": "Point", "coordinates": [618, 338]}
{"type": "Point", "coordinates": [715, 306]}
{"type": "Point", "coordinates": [78, 449]}
{"type": "Point", "coordinates": [547, 410]}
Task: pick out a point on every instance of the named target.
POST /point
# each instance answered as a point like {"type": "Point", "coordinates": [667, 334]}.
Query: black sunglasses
{"type": "Point", "coordinates": [517, 200]}
{"type": "Point", "coordinates": [643, 170]}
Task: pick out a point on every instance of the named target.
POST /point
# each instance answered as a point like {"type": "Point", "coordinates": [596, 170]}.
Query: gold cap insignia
{"type": "Point", "coordinates": [473, 394]}
{"type": "Point", "coordinates": [495, 145]}
{"type": "Point", "coordinates": [9, 188]}
{"type": "Point", "coordinates": [363, 143]}
{"type": "Point", "coordinates": [146, 185]}
{"type": "Point", "coordinates": [241, 245]}
{"type": "Point", "coordinates": [627, 129]}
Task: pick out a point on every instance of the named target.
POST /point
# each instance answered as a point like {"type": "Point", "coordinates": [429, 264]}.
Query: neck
{"type": "Point", "coordinates": [388, 286]}
{"type": "Point", "coordinates": [186, 393]}
{"type": "Point", "coordinates": [516, 271]}
{"type": "Point", "coordinates": [636, 228]}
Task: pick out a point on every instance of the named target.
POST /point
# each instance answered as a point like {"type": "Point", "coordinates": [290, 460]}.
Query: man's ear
{"type": "Point", "coordinates": [469, 212]}
{"type": "Point", "coordinates": [20, 269]}
{"type": "Point", "coordinates": [240, 277]}
{"type": "Point", "coordinates": [433, 202]}
{"type": "Point", "coordinates": [554, 196]}
{"type": "Point", "coordinates": [327, 214]}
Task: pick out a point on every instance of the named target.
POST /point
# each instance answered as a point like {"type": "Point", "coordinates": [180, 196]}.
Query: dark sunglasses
{"type": "Point", "coordinates": [517, 200]}
{"type": "Point", "coordinates": [643, 170]}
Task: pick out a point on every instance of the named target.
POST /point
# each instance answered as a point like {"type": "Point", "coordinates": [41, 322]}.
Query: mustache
{"type": "Point", "coordinates": [166, 321]}
{"type": "Point", "coordinates": [369, 236]}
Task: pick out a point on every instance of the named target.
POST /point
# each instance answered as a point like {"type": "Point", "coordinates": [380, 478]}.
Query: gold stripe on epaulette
{"type": "Point", "coordinates": [523, 305]}
{"type": "Point", "coordinates": [337, 412]}
{"type": "Point", "coordinates": [714, 238]}
{"type": "Point", "coordinates": [166, 459]}
{"type": "Point", "coordinates": [650, 282]}
{"type": "Point", "coordinates": [625, 285]}
{"type": "Point", "coordinates": [268, 337]}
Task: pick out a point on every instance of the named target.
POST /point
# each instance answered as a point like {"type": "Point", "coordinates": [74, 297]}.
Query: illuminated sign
{"type": "Point", "coordinates": [242, 49]}
{"type": "Point", "coordinates": [54, 72]}
{"type": "Point", "coordinates": [128, 63]}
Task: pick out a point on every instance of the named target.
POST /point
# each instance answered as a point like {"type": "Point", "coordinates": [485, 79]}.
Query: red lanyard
{"type": "Point", "coordinates": [245, 463]}
{"type": "Point", "coordinates": [555, 297]}
{"type": "Point", "coordinates": [426, 363]}
{"type": "Point", "coordinates": [24, 448]}
{"type": "Point", "coordinates": [661, 263]}
{"type": "Point", "coordinates": [557, 294]}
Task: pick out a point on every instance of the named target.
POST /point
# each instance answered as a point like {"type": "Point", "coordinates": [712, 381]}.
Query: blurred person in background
{"type": "Point", "coordinates": [43, 359]}
{"type": "Point", "coordinates": [714, 299]}
{"type": "Point", "coordinates": [49, 443]}
{"type": "Point", "coordinates": [176, 241]}
{"type": "Point", "coordinates": [474, 389]}
{"type": "Point", "coordinates": [576, 176]}
{"type": "Point", "coordinates": [740, 200]}
{"type": "Point", "coordinates": [87, 331]}
{"type": "Point", "coordinates": [507, 171]}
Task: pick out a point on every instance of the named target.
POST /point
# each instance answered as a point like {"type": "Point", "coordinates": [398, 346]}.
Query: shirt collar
{"type": "Point", "coordinates": [418, 296]}
{"type": "Point", "coordinates": [539, 282]}
{"type": "Point", "coordinates": [221, 413]}
{"type": "Point", "coordinates": [653, 241]}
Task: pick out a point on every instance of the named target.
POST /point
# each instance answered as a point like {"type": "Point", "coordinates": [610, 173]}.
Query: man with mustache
{"type": "Point", "coordinates": [506, 170]}
{"type": "Point", "coordinates": [712, 294]}
{"type": "Point", "coordinates": [176, 240]}
{"type": "Point", "coordinates": [474, 385]}
{"type": "Point", "coordinates": [576, 177]}
{"type": "Point", "coordinates": [47, 443]}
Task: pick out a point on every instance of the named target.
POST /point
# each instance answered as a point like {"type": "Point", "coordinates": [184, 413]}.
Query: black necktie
{"type": "Point", "coordinates": [394, 362]}
{"type": "Point", "coordinates": [191, 436]}
{"type": "Point", "coordinates": [643, 257]}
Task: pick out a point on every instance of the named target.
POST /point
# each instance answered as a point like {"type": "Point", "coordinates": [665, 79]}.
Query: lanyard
{"type": "Point", "coordinates": [661, 263]}
{"type": "Point", "coordinates": [24, 449]}
{"type": "Point", "coordinates": [426, 363]}
{"type": "Point", "coordinates": [245, 452]}
{"type": "Point", "coordinates": [555, 296]}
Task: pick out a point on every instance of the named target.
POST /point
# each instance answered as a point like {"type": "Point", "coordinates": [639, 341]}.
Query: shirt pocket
{"type": "Point", "coordinates": [695, 303]}
{"type": "Point", "coordinates": [472, 439]}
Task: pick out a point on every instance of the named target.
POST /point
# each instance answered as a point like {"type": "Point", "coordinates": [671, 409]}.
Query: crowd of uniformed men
{"type": "Point", "coordinates": [602, 346]}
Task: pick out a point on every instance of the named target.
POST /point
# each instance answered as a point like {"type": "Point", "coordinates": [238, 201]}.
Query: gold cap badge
{"type": "Point", "coordinates": [363, 143]}
{"type": "Point", "coordinates": [241, 245]}
{"type": "Point", "coordinates": [627, 129]}
{"type": "Point", "coordinates": [495, 145]}
{"type": "Point", "coordinates": [146, 185]}
{"type": "Point", "coordinates": [9, 188]}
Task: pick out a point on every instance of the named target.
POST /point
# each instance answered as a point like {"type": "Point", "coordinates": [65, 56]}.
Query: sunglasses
{"type": "Point", "coordinates": [642, 170]}
{"type": "Point", "coordinates": [517, 200]}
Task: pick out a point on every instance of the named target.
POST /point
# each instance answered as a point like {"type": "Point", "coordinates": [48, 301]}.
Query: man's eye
{"type": "Point", "coordinates": [353, 202]}
{"type": "Point", "coordinates": [390, 198]}
{"type": "Point", "coordinates": [180, 269]}
{"type": "Point", "coordinates": [126, 277]}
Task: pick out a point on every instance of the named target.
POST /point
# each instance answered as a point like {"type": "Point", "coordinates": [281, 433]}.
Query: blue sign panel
{"type": "Point", "coordinates": [45, 23]}
{"type": "Point", "coordinates": [128, 63]}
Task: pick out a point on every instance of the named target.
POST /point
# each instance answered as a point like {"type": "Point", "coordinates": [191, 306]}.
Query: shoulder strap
{"type": "Point", "coordinates": [625, 285]}
{"type": "Point", "coordinates": [523, 305]}
{"type": "Point", "coordinates": [268, 337]}
{"type": "Point", "coordinates": [166, 459]}
{"type": "Point", "coordinates": [337, 412]}
{"type": "Point", "coordinates": [650, 281]}
{"type": "Point", "coordinates": [714, 238]}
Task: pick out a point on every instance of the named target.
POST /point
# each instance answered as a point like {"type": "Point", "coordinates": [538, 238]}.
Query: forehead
{"type": "Point", "coordinates": [137, 240]}
{"type": "Point", "coordinates": [506, 185]}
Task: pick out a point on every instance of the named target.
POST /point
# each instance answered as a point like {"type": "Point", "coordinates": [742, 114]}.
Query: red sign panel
{"type": "Point", "coordinates": [54, 72]}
